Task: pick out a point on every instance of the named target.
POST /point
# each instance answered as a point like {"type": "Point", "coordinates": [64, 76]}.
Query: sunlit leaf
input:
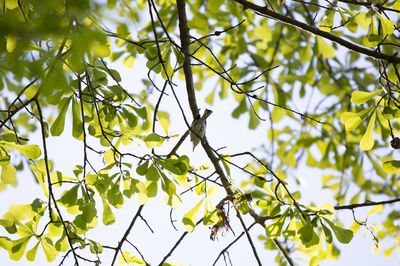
{"type": "Point", "coordinates": [190, 218]}
{"type": "Point", "coordinates": [360, 97]}
{"type": "Point", "coordinates": [58, 125]}
{"type": "Point", "coordinates": [367, 141]}
{"type": "Point", "coordinates": [108, 215]}
{"type": "Point", "coordinates": [8, 175]}
{"type": "Point", "coordinates": [343, 235]}
{"type": "Point", "coordinates": [327, 22]}
{"type": "Point", "coordinates": [324, 49]}
{"type": "Point", "coordinates": [391, 167]}
{"type": "Point", "coordinates": [387, 25]}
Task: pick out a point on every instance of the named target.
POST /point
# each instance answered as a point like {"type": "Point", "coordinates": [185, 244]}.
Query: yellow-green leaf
{"type": "Point", "coordinates": [18, 248]}
{"type": "Point", "coordinates": [39, 169]}
{"type": "Point", "coordinates": [30, 151]}
{"type": "Point", "coordinates": [327, 211]}
{"type": "Point", "coordinates": [305, 53]}
{"type": "Point", "coordinates": [21, 211]}
{"type": "Point", "coordinates": [360, 97]}
{"type": "Point", "coordinates": [129, 62]}
{"type": "Point", "coordinates": [11, 43]}
{"type": "Point", "coordinates": [58, 125]}
{"type": "Point", "coordinates": [274, 229]}
{"type": "Point", "coordinates": [367, 141]}
{"type": "Point", "coordinates": [391, 167]}
{"type": "Point", "coordinates": [190, 218]}
{"type": "Point", "coordinates": [31, 254]}
{"type": "Point", "coordinates": [396, 6]}
{"type": "Point", "coordinates": [49, 249]}
{"type": "Point", "coordinates": [351, 123]}
{"type": "Point", "coordinates": [387, 25]}
{"type": "Point", "coordinates": [343, 235]}
{"type": "Point", "coordinates": [327, 23]}
{"type": "Point", "coordinates": [210, 98]}
{"type": "Point", "coordinates": [108, 215]}
{"type": "Point", "coordinates": [375, 209]}
{"type": "Point", "coordinates": [211, 213]}
{"type": "Point", "coordinates": [373, 36]}
{"type": "Point", "coordinates": [153, 140]}
{"type": "Point", "coordinates": [362, 20]}
{"type": "Point", "coordinates": [100, 49]}
{"type": "Point", "coordinates": [325, 49]}
{"type": "Point", "coordinates": [212, 190]}
{"type": "Point", "coordinates": [8, 175]}
{"type": "Point", "coordinates": [163, 118]}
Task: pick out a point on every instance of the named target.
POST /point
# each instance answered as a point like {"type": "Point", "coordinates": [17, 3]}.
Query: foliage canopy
{"type": "Point", "coordinates": [320, 77]}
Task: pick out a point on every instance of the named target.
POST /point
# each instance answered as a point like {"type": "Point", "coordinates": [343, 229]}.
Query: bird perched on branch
{"type": "Point", "coordinates": [198, 127]}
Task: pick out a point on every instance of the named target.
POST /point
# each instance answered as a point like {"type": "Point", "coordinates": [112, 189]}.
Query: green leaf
{"type": "Point", "coordinates": [30, 151]}
{"type": "Point", "coordinates": [389, 113]}
{"type": "Point", "coordinates": [305, 53]}
{"type": "Point", "coordinates": [172, 199]}
{"type": "Point", "coordinates": [8, 175]}
{"type": "Point", "coordinates": [21, 211]}
{"type": "Point", "coordinates": [163, 119]}
{"type": "Point", "coordinates": [126, 258]}
{"type": "Point", "coordinates": [324, 49]}
{"type": "Point", "coordinates": [375, 209]}
{"type": "Point", "coordinates": [31, 254]}
{"type": "Point", "coordinates": [210, 98]}
{"type": "Point", "coordinates": [350, 120]}
{"type": "Point", "coordinates": [18, 248]}
{"type": "Point", "coordinates": [69, 197]}
{"type": "Point", "coordinates": [152, 188]}
{"type": "Point", "coordinates": [77, 131]}
{"type": "Point", "coordinates": [89, 212]}
{"type": "Point", "coordinates": [387, 24]}
{"type": "Point", "coordinates": [49, 249]}
{"type": "Point", "coordinates": [306, 233]}
{"type": "Point", "coordinates": [11, 41]}
{"type": "Point", "coordinates": [153, 140]}
{"type": "Point", "coordinates": [367, 140]}
{"type": "Point", "coordinates": [130, 118]}
{"type": "Point", "coordinates": [114, 196]}
{"type": "Point", "coordinates": [373, 35]}
{"type": "Point", "coordinates": [396, 6]}
{"type": "Point", "coordinates": [108, 215]}
{"type": "Point", "coordinates": [360, 97]}
{"type": "Point", "coordinates": [327, 232]}
{"type": "Point", "coordinates": [142, 169]}
{"type": "Point", "coordinates": [4, 157]}
{"type": "Point", "coordinates": [327, 23]}
{"type": "Point", "coordinates": [58, 125]}
{"type": "Point", "coordinates": [39, 169]}
{"type": "Point", "coordinates": [342, 235]}
{"type": "Point", "coordinates": [152, 173]}
{"type": "Point", "coordinates": [362, 20]}
{"type": "Point", "coordinates": [391, 167]}
{"type": "Point", "coordinates": [95, 247]}
{"type": "Point", "coordinates": [57, 178]}
{"type": "Point", "coordinates": [190, 218]}
{"type": "Point", "coordinates": [178, 166]}
{"type": "Point", "coordinates": [211, 213]}
{"type": "Point", "coordinates": [274, 229]}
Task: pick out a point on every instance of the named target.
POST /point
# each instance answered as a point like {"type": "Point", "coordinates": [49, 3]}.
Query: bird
{"type": "Point", "coordinates": [198, 127]}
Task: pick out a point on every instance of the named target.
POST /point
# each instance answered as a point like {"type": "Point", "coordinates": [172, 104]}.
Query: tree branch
{"type": "Point", "coordinates": [185, 42]}
{"type": "Point", "coordinates": [365, 204]}
{"type": "Point", "coordinates": [177, 244]}
{"type": "Point", "coordinates": [126, 234]}
{"type": "Point", "coordinates": [292, 22]}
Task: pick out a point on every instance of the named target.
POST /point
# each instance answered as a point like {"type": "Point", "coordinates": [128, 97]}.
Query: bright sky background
{"type": "Point", "coordinates": [197, 249]}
